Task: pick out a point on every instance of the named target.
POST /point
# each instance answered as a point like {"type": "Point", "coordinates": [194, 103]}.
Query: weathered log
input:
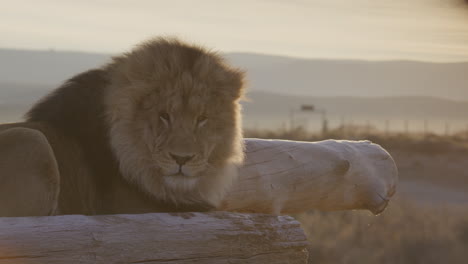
{"type": "Point", "coordinates": [282, 176]}
{"type": "Point", "coordinates": [217, 237]}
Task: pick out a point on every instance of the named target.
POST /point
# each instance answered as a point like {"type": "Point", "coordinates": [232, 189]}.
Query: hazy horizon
{"type": "Point", "coordinates": [358, 92]}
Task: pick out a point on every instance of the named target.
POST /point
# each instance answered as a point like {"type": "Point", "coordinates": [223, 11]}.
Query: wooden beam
{"type": "Point", "coordinates": [217, 237]}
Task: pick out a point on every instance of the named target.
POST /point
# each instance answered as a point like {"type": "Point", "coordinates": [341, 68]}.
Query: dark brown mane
{"type": "Point", "coordinates": [79, 102]}
{"type": "Point", "coordinates": [86, 121]}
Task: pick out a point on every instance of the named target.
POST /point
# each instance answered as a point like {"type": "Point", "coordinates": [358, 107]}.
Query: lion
{"type": "Point", "coordinates": [157, 129]}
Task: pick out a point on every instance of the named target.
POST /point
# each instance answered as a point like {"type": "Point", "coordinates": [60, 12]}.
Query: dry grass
{"type": "Point", "coordinates": [408, 231]}
{"type": "Point", "coordinates": [404, 233]}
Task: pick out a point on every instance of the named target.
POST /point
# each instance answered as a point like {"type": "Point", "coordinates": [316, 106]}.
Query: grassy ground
{"type": "Point", "coordinates": [409, 231]}
{"type": "Point", "coordinates": [404, 233]}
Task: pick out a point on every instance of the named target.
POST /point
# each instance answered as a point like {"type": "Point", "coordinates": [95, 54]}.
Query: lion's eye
{"type": "Point", "coordinates": [147, 102]}
{"type": "Point", "coordinates": [165, 118]}
{"type": "Point", "coordinates": [201, 121]}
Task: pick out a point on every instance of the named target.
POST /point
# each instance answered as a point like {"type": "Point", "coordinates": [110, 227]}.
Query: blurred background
{"type": "Point", "coordinates": [394, 72]}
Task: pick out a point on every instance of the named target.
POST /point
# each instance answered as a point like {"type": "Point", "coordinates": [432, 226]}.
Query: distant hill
{"type": "Point", "coordinates": [354, 78]}
{"type": "Point", "coordinates": [45, 67]}
{"type": "Point", "coordinates": [272, 74]}
{"type": "Point", "coordinates": [350, 91]}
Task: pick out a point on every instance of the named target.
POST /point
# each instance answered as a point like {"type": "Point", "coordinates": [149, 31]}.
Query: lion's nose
{"type": "Point", "coordinates": [181, 160]}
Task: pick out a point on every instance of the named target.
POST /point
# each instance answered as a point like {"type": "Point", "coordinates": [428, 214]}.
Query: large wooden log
{"type": "Point", "coordinates": [217, 237]}
{"type": "Point", "coordinates": [282, 176]}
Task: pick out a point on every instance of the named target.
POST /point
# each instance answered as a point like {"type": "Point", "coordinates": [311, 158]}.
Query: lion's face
{"type": "Point", "coordinates": [189, 132]}
{"type": "Point", "coordinates": [175, 120]}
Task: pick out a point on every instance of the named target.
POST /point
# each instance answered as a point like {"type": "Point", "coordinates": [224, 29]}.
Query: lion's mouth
{"type": "Point", "coordinates": [181, 181]}
{"type": "Point", "coordinates": [178, 174]}
{"type": "Point", "coordinates": [181, 172]}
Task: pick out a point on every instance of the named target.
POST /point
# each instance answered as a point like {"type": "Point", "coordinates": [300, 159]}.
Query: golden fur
{"type": "Point", "coordinates": [156, 129]}
{"type": "Point", "coordinates": [158, 77]}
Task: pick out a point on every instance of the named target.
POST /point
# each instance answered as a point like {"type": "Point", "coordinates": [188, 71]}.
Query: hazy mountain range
{"type": "Point", "coordinates": [347, 89]}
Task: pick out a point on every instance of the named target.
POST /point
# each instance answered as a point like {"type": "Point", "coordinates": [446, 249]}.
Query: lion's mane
{"type": "Point", "coordinates": [163, 99]}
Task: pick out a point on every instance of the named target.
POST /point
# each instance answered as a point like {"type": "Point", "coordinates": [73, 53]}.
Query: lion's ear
{"type": "Point", "coordinates": [236, 83]}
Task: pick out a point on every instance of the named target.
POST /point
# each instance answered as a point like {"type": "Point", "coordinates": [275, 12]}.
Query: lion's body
{"type": "Point", "coordinates": [114, 130]}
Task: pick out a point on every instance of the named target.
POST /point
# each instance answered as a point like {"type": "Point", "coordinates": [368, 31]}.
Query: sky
{"type": "Point", "coordinates": [426, 30]}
